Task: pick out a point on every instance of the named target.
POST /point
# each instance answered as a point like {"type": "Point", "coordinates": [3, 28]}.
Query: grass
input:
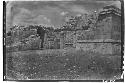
{"type": "Point", "coordinates": [60, 64]}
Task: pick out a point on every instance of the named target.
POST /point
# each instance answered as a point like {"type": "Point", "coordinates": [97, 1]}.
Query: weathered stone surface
{"type": "Point", "coordinates": [102, 48]}
{"type": "Point", "coordinates": [27, 44]}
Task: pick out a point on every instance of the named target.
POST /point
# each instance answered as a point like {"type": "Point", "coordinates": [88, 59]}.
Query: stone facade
{"type": "Point", "coordinates": [108, 29]}
{"type": "Point", "coordinates": [110, 22]}
{"type": "Point", "coordinates": [52, 40]}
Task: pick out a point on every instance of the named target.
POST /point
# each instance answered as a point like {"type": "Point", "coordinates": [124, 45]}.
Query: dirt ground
{"type": "Point", "coordinates": [62, 64]}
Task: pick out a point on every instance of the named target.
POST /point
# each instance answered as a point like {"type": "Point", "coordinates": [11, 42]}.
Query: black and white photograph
{"type": "Point", "coordinates": [63, 40]}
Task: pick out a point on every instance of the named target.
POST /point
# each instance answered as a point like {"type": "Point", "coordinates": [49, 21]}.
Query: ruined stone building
{"type": "Point", "coordinates": [106, 33]}
{"type": "Point", "coordinates": [107, 29]}
{"type": "Point", "coordinates": [81, 32]}
{"type": "Point", "coordinates": [109, 23]}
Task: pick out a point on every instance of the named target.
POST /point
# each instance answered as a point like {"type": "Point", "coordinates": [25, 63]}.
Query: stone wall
{"type": "Point", "coordinates": [103, 48]}
{"type": "Point", "coordinates": [116, 27]}
{"type": "Point", "coordinates": [20, 34]}
{"type": "Point", "coordinates": [51, 41]}
{"type": "Point", "coordinates": [21, 40]}
{"type": "Point", "coordinates": [27, 44]}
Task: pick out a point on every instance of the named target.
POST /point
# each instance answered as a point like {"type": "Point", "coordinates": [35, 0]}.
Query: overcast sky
{"type": "Point", "coordinates": [49, 13]}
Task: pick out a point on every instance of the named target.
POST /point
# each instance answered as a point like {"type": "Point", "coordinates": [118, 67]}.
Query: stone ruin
{"type": "Point", "coordinates": [102, 38]}
{"type": "Point", "coordinates": [99, 38]}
